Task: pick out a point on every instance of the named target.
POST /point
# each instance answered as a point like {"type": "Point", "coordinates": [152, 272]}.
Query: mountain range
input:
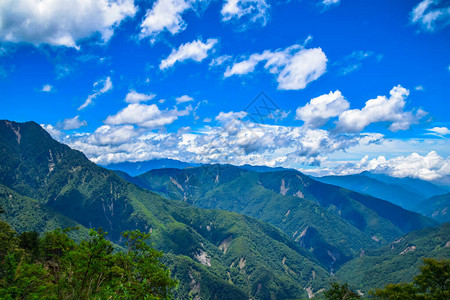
{"type": "Point", "coordinates": [317, 216]}
{"type": "Point", "coordinates": [227, 232]}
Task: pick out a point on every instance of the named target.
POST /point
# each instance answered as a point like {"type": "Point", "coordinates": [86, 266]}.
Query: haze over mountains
{"type": "Point", "coordinates": [284, 236]}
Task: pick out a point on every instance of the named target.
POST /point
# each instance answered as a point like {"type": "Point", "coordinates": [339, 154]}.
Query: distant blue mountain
{"type": "Point", "coordinates": [405, 192]}
{"type": "Point", "coordinates": [260, 169]}
{"type": "Point", "coordinates": [418, 186]}
{"type": "Point", "coordinates": [140, 167]}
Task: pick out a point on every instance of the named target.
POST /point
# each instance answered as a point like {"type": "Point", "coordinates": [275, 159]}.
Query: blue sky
{"type": "Point", "coordinates": [351, 85]}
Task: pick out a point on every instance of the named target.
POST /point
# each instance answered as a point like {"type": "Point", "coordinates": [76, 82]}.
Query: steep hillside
{"type": "Point", "coordinates": [398, 261]}
{"type": "Point", "coordinates": [27, 214]}
{"type": "Point", "coordinates": [215, 254]}
{"type": "Point", "coordinates": [437, 207]}
{"type": "Point", "coordinates": [331, 222]}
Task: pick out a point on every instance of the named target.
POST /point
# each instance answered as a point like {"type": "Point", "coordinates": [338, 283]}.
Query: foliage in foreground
{"type": "Point", "coordinates": [56, 267]}
{"type": "Point", "coordinates": [340, 292]}
{"type": "Point", "coordinates": [433, 282]}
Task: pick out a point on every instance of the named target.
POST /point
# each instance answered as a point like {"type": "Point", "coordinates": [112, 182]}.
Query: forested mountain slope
{"type": "Point", "coordinates": [332, 222]}
{"type": "Point", "coordinates": [398, 261]}
{"type": "Point", "coordinates": [215, 254]}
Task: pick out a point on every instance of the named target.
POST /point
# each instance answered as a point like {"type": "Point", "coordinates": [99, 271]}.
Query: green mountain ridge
{"type": "Point", "coordinates": [398, 261]}
{"type": "Point", "coordinates": [214, 254]}
{"type": "Point", "coordinates": [333, 223]}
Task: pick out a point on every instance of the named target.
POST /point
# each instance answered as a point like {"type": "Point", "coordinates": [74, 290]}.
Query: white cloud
{"type": "Point", "coordinates": [294, 66]}
{"type": "Point", "coordinates": [112, 135]}
{"type": "Point", "coordinates": [62, 22]}
{"type": "Point", "coordinates": [135, 97]}
{"type": "Point", "coordinates": [184, 98]}
{"type": "Point", "coordinates": [167, 15]}
{"type": "Point", "coordinates": [249, 10]}
{"type": "Point", "coordinates": [195, 50]}
{"type": "Point", "coordinates": [381, 109]}
{"type": "Point", "coordinates": [164, 15]}
{"type": "Point", "coordinates": [100, 87]}
{"type": "Point", "coordinates": [47, 88]}
{"type": "Point", "coordinates": [419, 88]}
{"type": "Point", "coordinates": [235, 141]}
{"type": "Point", "coordinates": [426, 167]}
{"type": "Point", "coordinates": [319, 110]}
{"type": "Point", "coordinates": [72, 123]}
{"type": "Point", "coordinates": [330, 2]}
{"type": "Point", "coordinates": [54, 132]}
{"type": "Point", "coordinates": [431, 15]}
{"type": "Point", "coordinates": [219, 60]}
{"type": "Point", "coordinates": [149, 116]}
{"type": "Point", "coordinates": [440, 130]}
{"type": "Point", "coordinates": [242, 67]}
{"type": "Point", "coordinates": [230, 116]}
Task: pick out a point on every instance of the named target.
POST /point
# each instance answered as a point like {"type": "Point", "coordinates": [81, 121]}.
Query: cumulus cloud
{"type": "Point", "coordinates": [230, 116]}
{"type": "Point", "coordinates": [381, 109]}
{"type": "Point", "coordinates": [439, 131]}
{"type": "Point", "coordinates": [100, 87]}
{"type": "Point", "coordinates": [149, 116]}
{"type": "Point", "coordinates": [166, 15]}
{"type": "Point", "coordinates": [319, 110]}
{"type": "Point", "coordinates": [431, 15]}
{"type": "Point", "coordinates": [112, 135]}
{"type": "Point", "coordinates": [195, 50]}
{"type": "Point", "coordinates": [135, 97]}
{"type": "Point", "coordinates": [47, 88]}
{"type": "Point", "coordinates": [72, 123]}
{"type": "Point", "coordinates": [235, 140]}
{"type": "Point", "coordinates": [184, 98]}
{"type": "Point", "coordinates": [254, 11]}
{"type": "Point", "coordinates": [62, 22]}
{"type": "Point", "coordinates": [426, 167]}
{"type": "Point", "coordinates": [294, 66]}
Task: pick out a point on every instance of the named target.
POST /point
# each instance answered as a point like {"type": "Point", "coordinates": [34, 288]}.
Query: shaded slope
{"type": "Point", "coordinates": [27, 214]}
{"type": "Point", "coordinates": [437, 207]}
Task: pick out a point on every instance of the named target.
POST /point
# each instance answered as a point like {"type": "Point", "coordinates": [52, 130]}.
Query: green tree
{"type": "Point", "coordinates": [56, 267]}
{"type": "Point", "coordinates": [434, 279]}
{"type": "Point", "coordinates": [29, 241]}
{"type": "Point", "coordinates": [145, 274]}
{"type": "Point", "coordinates": [433, 282]}
{"type": "Point", "coordinates": [340, 292]}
